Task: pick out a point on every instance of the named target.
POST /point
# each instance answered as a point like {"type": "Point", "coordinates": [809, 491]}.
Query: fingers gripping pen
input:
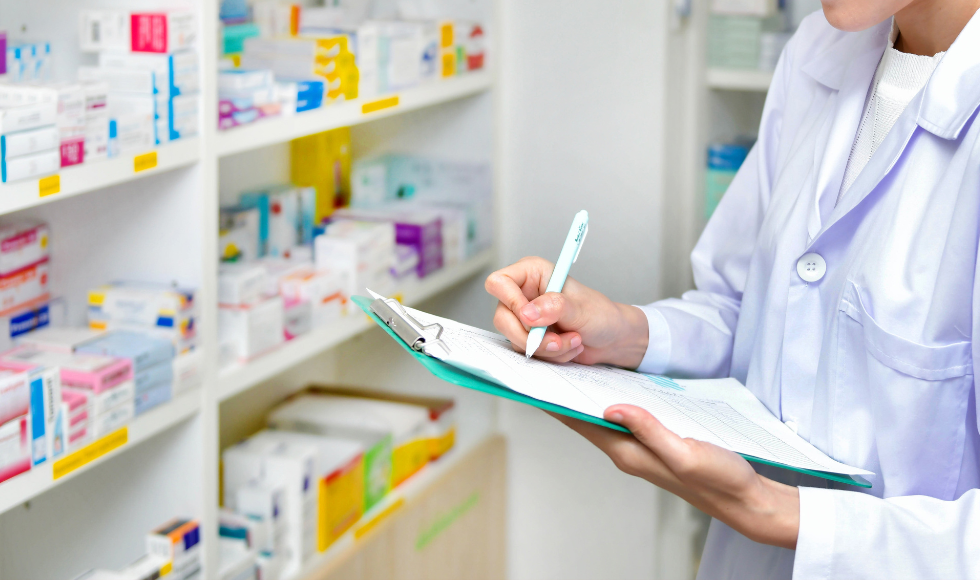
{"type": "Point", "coordinates": [568, 256]}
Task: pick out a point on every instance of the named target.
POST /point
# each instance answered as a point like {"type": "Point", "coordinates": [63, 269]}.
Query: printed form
{"type": "Point", "coordinates": [718, 411]}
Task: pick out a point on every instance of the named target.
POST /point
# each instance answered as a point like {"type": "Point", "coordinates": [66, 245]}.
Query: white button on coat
{"type": "Point", "coordinates": [811, 267]}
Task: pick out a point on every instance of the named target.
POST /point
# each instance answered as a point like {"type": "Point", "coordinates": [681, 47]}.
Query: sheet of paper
{"type": "Point", "coordinates": [721, 411]}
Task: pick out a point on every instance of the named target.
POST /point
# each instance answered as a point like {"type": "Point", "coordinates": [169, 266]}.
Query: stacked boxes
{"type": "Point", "coordinates": [418, 233]}
{"type": "Point", "coordinates": [70, 115]}
{"type": "Point", "coordinates": [46, 419]}
{"type": "Point", "coordinates": [23, 267]}
{"type": "Point", "coordinates": [154, 312]}
{"type": "Point", "coordinates": [327, 58]}
{"type": "Point", "coordinates": [100, 385]}
{"type": "Point", "coordinates": [179, 542]}
{"type": "Point", "coordinates": [152, 360]}
{"type": "Point", "coordinates": [29, 140]}
{"type": "Point", "coordinates": [162, 31]}
{"type": "Point", "coordinates": [363, 251]}
{"type": "Point", "coordinates": [246, 331]}
{"type": "Point", "coordinates": [15, 440]}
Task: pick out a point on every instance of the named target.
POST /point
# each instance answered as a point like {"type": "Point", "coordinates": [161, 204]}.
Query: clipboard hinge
{"type": "Point", "coordinates": [407, 328]}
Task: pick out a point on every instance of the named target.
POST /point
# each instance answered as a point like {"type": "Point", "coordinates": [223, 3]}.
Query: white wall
{"type": "Point", "coordinates": [582, 123]}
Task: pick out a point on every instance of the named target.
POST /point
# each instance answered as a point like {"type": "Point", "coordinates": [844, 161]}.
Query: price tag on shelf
{"type": "Point", "coordinates": [380, 104]}
{"type": "Point", "coordinates": [366, 527]}
{"type": "Point", "coordinates": [49, 185]}
{"type": "Point", "coordinates": [145, 161]}
{"type": "Point", "coordinates": [90, 453]}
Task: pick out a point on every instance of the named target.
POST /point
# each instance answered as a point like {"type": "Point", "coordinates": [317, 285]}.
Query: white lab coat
{"type": "Point", "coordinates": [872, 363]}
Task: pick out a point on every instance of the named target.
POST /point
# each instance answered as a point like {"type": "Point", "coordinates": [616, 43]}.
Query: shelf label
{"type": "Point", "coordinates": [90, 453]}
{"type": "Point", "coordinates": [49, 185]}
{"type": "Point", "coordinates": [380, 104]}
{"type": "Point", "coordinates": [373, 522]}
{"type": "Point", "coordinates": [145, 161]}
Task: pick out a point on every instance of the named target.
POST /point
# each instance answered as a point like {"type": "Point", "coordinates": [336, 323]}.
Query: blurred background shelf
{"type": "Point", "coordinates": [238, 378]}
{"type": "Point", "coordinates": [35, 482]}
{"type": "Point", "coordinates": [739, 79]}
{"type": "Point", "coordinates": [89, 177]}
{"type": "Point", "coordinates": [280, 129]}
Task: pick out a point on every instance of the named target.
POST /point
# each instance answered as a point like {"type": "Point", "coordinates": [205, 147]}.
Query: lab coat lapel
{"type": "Point", "coordinates": [942, 107]}
{"type": "Point", "coordinates": [857, 56]}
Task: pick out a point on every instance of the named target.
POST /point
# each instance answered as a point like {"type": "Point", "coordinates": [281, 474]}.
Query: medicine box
{"type": "Point", "coordinates": [241, 283]}
{"type": "Point", "coordinates": [297, 318]}
{"type": "Point", "coordinates": [145, 351]}
{"type": "Point", "coordinates": [25, 117]}
{"type": "Point", "coordinates": [238, 234]}
{"type": "Point", "coordinates": [137, 81]}
{"type": "Point", "coordinates": [408, 425]}
{"type": "Point", "coordinates": [22, 244]}
{"type": "Point", "coordinates": [15, 451]}
{"type": "Point", "coordinates": [163, 31]}
{"type": "Point", "coordinates": [153, 397]}
{"type": "Point", "coordinates": [103, 30]}
{"type": "Point", "coordinates": [442, 411]}
{"type": "Point", "coordinates": [251, 330]}
{"type": "Point", "coordinates": [28, 166]}
{"type": "Point", "coordinates": [337, 420]}
{"type": "Point", "coordinates": [101, 403]}
{"type": "Point", "coordinates": [175, 73]}
{"type": "Point", "coordinates": [28, 142]}
{"type": "Point", "coordinates": [62, 339]}
{"type": "Point", "coordinates": [24, 288]}
{"type": "Point", "coordinates": [112, 420]}
{"type": "Point", "coordinates": [92, 372]}
{"type": "Point", "coordinates": [141, 303]}
{"type": "Point", "coordinates": [15, 395]}
{"type": "Point", "coordinates": [323, 289]}
{"type": "Point", "coordinates": [46, 414]}
{"type": "Point", "coordinates": [188, 371]}
{"type": "Point", "coordinates": [339, 481]}
{"type": "Point", "coordinates": [180, 542]}
{"type": "Point", "coordinates": [292, 465]}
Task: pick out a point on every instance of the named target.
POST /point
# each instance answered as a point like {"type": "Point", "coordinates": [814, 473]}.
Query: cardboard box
{"type": "Point", "coordinates": [15, 449]}
{"type": "Point", "coordinates": [28, 166]}
{"type": "Point", "coordinates": [163, 31]}
{"type": "Point", "coordinates": [24, 288]}
{"type": "Point", "coordinates": [22, 244]}
{"type": "Point", "coordinates": [251, 330]}
{"type": "Point", "coordinates": [29, 142]}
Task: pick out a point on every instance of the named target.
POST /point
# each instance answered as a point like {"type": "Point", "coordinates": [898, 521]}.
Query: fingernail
{"type": "Point", "coordinates": [616, 417]}
{"type": "Point", "coordinates": [552, 346]}
{"type": "Point", "coordinates": [576, 341]}
{"type": "Point", "coordinates": [531, 312]}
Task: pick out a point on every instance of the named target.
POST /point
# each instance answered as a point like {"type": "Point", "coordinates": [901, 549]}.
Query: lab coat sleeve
{"type": "Point", "coordinates": [846, 534]}
{"type": "Point", "coordinates": [693, 336]}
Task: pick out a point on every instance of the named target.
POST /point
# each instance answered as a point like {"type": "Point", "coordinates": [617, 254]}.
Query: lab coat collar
{"type": "Point", "coordinates": [829, 67]}
{"type": "Point", "coordinates": [953, 92]}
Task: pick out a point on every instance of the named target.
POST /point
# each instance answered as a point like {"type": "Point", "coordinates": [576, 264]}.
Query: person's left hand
{"type": "Point", "coordinates": [716, 481]}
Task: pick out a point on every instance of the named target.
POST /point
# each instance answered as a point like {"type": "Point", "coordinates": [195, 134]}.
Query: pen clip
{"type": "Point", "coordinates": [581, 243]}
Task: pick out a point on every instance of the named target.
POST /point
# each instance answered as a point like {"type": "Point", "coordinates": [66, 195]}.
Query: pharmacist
{"type": "Point", "coordinates": [839, 281]}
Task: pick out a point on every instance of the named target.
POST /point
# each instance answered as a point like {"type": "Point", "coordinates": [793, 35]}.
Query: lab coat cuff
{"type": "Point", "coordinates": [815, 544]}
{"type": "Point", "coordinates": [657, 356]}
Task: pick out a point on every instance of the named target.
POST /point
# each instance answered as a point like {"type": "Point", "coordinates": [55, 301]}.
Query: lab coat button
{"type": "Point", "coordinates": [811, 267]}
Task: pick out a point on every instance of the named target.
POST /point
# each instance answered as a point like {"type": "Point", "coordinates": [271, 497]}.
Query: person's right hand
{"type": "Point", "coordinates": [584, 325]}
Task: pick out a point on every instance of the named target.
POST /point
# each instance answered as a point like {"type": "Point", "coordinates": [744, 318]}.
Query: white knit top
{"type": "Point", "coordinates": [897, 80]}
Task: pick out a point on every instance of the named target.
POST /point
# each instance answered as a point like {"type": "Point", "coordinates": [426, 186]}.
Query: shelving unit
{"type": "Point", "coordinates": [154, 216]}
{"type": "Point", "coordinates": [738, 79]}
{"type": "Point", "coordinates": [90, 177]}
{"type": "Point", "coordinates": [277, 130]}
{"type": "Point", "coordinates": [27, 486]}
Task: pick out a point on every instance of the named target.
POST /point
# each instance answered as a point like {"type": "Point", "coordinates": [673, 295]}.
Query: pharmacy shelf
{"type": "Point", "coordinates": [280, 129]}
{"type": "Point", "coordinates": [322, 564]}
{"type": "Point", "coordinates": [97, 175]}
{"type": "Point", "coordinates": [28, 485]}
{"type": "Point", "coordinates": [241, 377]}
{"type": "Point", "coordinates": [739, 79]}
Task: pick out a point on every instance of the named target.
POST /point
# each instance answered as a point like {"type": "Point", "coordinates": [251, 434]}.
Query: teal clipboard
{"type": "Point", "coordinates": [453, 375]}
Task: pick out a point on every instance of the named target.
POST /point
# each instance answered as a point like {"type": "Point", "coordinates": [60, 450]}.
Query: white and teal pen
{"type": "Point", "coordinates": [568, 256]}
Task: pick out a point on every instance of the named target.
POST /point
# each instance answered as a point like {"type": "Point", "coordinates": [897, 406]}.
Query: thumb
{"type": "Point", "coordinates": [551, 308]}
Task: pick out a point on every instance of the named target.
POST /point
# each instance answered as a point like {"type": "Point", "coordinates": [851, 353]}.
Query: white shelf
{"type": "Point", "coordinates": [739, 79]}
{"type": "Point", "coordinates": [239, 378]}
{"type": "Point", "coordinates": [321, 564]}
{"type": "Point", "coordinates": [97, 175]}
{"type": "Point", "coordinates": [28, 485]}
{"type": "Point", "coordinates": [277, 130]}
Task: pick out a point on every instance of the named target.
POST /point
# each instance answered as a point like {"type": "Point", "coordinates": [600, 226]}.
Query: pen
{"type": "Point", "coordinates": [568, 256]}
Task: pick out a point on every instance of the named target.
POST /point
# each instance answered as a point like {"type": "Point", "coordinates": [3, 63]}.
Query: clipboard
{"type": "Point", "coordinates": [420, 340]}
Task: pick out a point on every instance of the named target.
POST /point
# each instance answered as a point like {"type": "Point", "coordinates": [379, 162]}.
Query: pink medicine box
{"type": "Point", "coordinates": [84, 371]}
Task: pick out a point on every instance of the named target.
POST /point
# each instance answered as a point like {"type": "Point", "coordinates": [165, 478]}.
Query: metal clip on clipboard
{"type": "Point", "coordinates": [408, 329]}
